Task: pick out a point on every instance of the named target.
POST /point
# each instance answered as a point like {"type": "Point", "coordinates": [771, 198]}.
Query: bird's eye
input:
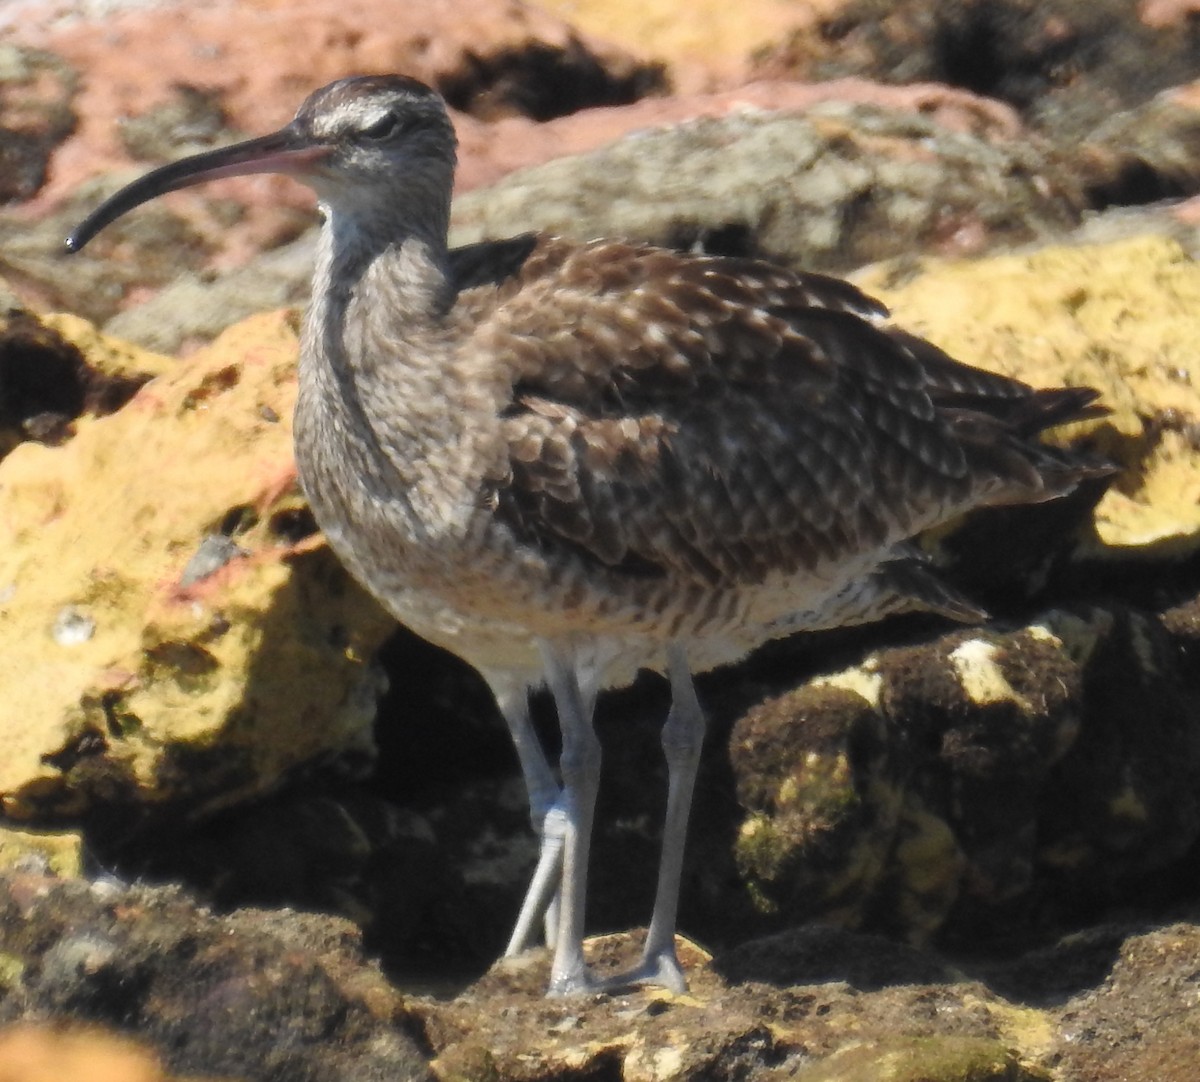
{"type": "Point", "coordinates": [386, 125]}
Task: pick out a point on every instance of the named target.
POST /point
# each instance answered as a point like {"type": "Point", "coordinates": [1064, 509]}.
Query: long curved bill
{"type": "Point", "coordinates": [285, 151]}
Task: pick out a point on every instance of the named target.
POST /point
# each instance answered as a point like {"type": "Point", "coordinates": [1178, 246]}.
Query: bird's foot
{"type": "Point", "coordinates": [571, 977]}
{"type": "Point", "coordinates": [661, 969]}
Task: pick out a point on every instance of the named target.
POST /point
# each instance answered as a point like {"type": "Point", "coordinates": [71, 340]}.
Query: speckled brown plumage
{"type": "Point", "coordinates": [683, 435]}
{"type": "Point", "coordinates": [564, 461]}
{"type": "Point", "coordinates": [715, 420]}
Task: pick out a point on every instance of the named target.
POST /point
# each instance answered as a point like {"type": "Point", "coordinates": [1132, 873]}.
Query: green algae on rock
{"type": "Point", "coordinates": [959, 774]}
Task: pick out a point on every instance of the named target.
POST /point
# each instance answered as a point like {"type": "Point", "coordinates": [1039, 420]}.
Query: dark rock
{"type": "Point", "coordinates": [1067, 65]}
{"type": "Point", "coordinates": [815, 954]}
{"type": "Point", "coordinates": [254, 995]}
{"type": "Point", "coordinates": [1141, 1021]}
{"type": "Point", "coordinates": [1088, 76]}
{"type": "Point", "coordinates": [285, 995]}
{"type": "Point", "coordinates": [37, 90]}
{"type": "Point", "coordinates": [738, 1030]}
{"type": "Point", "coordinates": [542, 81]}
{"type": "Point", "coordinates": [969, 783]}
{"type": "Point", "coordinates": [46, 382]}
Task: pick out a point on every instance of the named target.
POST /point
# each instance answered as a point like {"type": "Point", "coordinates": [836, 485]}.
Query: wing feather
{"type": "Point", "coordinates": [721, 420]}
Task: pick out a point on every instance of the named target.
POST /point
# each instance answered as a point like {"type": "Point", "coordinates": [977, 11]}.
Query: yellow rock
{"type": "Point", "coordinates": [62, 851]}
{"type": "Point", "coordinates": [129, 674]}
{"type": "Point", "coordinates": [717, 33]}
{"type": "Point", "coordinates": [982, 677]}
{"type": "Point", "coordinates": [1122, 317]}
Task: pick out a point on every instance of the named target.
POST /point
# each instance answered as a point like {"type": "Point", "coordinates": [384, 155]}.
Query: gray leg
{"type": "Point", "coordinates": [580, 770]}
{"type": "Point", "coordinates": [682, 737]}
{"type": "Point", "coordinates": [545, 814]}
{"type": "Point", "coordinates": [541, 898]}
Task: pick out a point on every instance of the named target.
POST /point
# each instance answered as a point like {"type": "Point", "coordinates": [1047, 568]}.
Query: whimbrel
{"type": "Point", "coordinates": [567, 461]}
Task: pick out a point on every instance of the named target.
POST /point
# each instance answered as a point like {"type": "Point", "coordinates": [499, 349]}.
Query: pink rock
{"type": "Point", "coordinates": [489, 151]}
{"type": "Point", "coordinates": [1161, 14]}
{"type": "Point", "coordinates": [262, 57]}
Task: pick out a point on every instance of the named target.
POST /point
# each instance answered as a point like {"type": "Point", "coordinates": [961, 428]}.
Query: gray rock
{"type": "Point", "coordinates": [830, 189]}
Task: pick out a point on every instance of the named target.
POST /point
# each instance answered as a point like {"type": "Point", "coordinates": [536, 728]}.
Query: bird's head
{"type": "Point", "coordinates": [358, 143]}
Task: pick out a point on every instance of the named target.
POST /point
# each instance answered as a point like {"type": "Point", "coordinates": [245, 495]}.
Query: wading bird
{"type": "Point", "coordinates": [567, 461]}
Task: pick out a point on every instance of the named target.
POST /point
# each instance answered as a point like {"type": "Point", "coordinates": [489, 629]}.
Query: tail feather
{"type": "Point", "coordinates": [1044, 409]}
{"type": "Point", "coordinates": [1007, 448]}
{"type": "Point", "coordinates": [999, 421]}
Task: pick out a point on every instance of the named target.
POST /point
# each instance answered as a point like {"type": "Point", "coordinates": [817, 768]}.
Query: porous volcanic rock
{"type": "Point", "coordinates": [1120, 317]}
{"type": "Point", "coordinates": [829, 189]}
{"type": "Point", "coordinates": [974, 780]}
{"type": "Point", "coordinates": [256, 996]}
{"type": "Point", "coordinates": [172, 629]}
{"type": "Point", "coordinates": [55, 368]}
{"type": "Point", "coordinates": [264, 995]}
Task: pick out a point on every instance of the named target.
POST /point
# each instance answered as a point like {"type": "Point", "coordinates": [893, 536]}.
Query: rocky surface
{"type": "Point", "coordinates": [171, 630]}
{"type": "Point", "coordinates": [1066, 66]}
{"type": "Point", "coordinates": [246, 67]}
{"type": "Point", "coordinates": [56, 369]}
{"type": "Point", "coordinates": [251, 995]}
{"type": "Point", "coordinates": [524, 78]}
{"type": "Point", "coordinates": [1119, 317]}
{"type": "Point", "coordinates": [839, 186]}
{"type": "Point", "coordinates": [918, 853]}
{"type": "Point", "coordinates": [715, 44]}
{"type": "Point", "coordinates": [974, 781]}
{"type": "Point", "coordinates": [272, 995]}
